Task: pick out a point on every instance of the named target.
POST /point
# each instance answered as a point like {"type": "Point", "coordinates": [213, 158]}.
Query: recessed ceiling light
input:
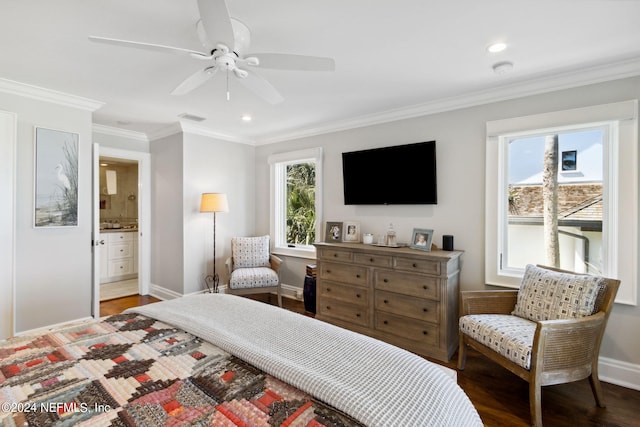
{"type": "Point", "coordinates": [104, 164]}
{"type": "Point", "coordinates": [502, 67]}
{"type": "Point", "coordinates": [497, 47]}
{"type": "Point", "coordinates": [246, 118]}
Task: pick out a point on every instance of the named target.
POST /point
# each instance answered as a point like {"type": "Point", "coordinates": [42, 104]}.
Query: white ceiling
{"type": "Point", "coordinates": [393, 59]}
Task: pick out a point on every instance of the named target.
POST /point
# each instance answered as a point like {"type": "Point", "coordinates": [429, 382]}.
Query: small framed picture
{"type": "Point", "coordinates": [333, 232]}
{"type": "Point", "coordinates": [351, 232]}
{"type": "Point", "coordinates": [421, 239]}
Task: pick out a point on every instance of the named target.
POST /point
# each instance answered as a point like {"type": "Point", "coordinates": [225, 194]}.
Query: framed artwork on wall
{"type": "Point", "coordinates": [56, 178]}
{"type": "Point", "coordinates": [351, 231]}
{"type": "Point", "coordinates": [421, 239]}
{"type": "Point", "coordinates": [333, 231]}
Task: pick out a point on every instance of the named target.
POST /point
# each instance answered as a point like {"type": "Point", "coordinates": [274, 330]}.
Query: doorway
{"type": "Point", "coordinates": [122, 224]}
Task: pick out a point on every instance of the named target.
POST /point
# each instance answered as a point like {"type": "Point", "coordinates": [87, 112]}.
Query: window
{"type": "Point", "coordinates": [296, 179]}
{"type": "Point", "coordinates": [581, 166]}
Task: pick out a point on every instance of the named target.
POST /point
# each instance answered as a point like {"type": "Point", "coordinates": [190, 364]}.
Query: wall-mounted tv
{"type": "Point", "coordinates": [395, 175]}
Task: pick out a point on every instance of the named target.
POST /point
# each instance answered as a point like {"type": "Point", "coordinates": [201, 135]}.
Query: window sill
{"type": "Point", "coordinates": [296, 252]}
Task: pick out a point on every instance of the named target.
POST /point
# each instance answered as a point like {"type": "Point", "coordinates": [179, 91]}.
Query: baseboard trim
{"type": "Point", "coordinates": [162, 293]}
{"type": "Point", "coordinates": [620, 373]}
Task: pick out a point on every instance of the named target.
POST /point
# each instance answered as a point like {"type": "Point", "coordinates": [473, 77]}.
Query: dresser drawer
{"type": "Point", "coordinates": [120, 250]}
{"type": "Point", "coordinates": [408, 329]}
{"type": "Point", "coordinates": [404, 305]}
{"type": "Point", "coordinates": [351, 274]}
{"type": "Point", "coordinates": [340, 292]}
{"type": "Point", "coordinates": [335, 254]}
{"type": "Point", "coordinates": [343, 311]}
{"type": "Point", "coordinates": [418, 265]}
{"type": "Point", "coordinates": [374, 260]}
{"type": "Point", "coordinates": [408, 284]}
{"type": "Point", "coordinates": [120, 267]}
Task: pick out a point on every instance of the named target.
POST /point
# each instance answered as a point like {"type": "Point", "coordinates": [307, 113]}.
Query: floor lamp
{"type": "Point", "coordinates": [213, 202]}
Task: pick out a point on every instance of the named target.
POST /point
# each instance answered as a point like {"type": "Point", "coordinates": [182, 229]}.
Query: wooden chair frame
{"type": "Point", "coordinates": [563, 350]}
{"type": "Point", "coordinates": [275, 263]}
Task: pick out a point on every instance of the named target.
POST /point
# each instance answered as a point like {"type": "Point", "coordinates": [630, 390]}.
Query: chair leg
{"type": "Point", "coordinates": [462, 353]}
{"type": "Point", "coordinates": [279, 297]}
{"type": "Point", "coordinates": [535, 404]}
{"type": "Point", "coordinates": [597, 389]}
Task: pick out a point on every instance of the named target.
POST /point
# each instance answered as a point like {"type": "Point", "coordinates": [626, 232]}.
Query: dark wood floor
{"type": "Point", "coordinates": [501, 398]}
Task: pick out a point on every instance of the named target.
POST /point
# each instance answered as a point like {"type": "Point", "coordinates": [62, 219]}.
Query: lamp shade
{"type": "Point", "coordinates": [214, 202]}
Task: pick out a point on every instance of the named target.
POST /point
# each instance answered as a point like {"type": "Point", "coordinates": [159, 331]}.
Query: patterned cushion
{"type": "Point", "coordinates": [550, 295]}
{"type": "Point", "coordinates": [259, 277]}
{"type": "Point", "coordinates": [250, 251]}
{"type": "Point", "coordinates": [510, 336]}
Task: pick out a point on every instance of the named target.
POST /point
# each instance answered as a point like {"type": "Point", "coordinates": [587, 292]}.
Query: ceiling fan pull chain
{"type": "Point", "coordinates": [228, 96]}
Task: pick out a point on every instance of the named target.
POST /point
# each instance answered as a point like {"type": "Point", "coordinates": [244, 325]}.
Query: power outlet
{"type": "Point", "coordinates": [298, 294]}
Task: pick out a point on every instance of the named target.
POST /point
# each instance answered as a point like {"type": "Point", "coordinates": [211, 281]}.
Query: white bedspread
{"type": "Point", "coordinates": [374, 382]}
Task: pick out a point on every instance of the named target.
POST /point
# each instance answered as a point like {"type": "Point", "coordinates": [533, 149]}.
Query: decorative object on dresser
{"type": "Point", "coordinates": [333, 231]}
{"type": "Point", "coordinates": [213, 202]}
{"type": "Point", "coordinates": [421, 239]}
{"type": "Point", "coordinates": [402, 296]}
{"type": "Point", "coordinates": [351, 232]}
{"type": "Point", "coordinates": [547, 332]}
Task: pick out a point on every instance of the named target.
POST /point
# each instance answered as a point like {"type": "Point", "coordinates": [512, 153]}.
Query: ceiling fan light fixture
{"type": "Point", "coordinates": [246, 118]}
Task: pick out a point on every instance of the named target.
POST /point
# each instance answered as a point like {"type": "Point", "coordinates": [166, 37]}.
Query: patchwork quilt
{"type": "Point", "coordinates": [133, 370]}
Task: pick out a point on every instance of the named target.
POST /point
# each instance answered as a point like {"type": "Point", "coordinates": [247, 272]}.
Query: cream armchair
{"type": "Point", "coordinates": [547, 332]}
{"type": "Point", "coordinates": [252, 269]}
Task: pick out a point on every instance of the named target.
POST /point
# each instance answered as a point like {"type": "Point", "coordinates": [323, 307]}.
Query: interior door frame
{"type": "Point", "coordinates": [144, 217]}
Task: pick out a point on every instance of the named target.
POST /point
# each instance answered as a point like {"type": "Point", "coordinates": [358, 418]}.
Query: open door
{"type": "Point", "coordinates": [95, 233]}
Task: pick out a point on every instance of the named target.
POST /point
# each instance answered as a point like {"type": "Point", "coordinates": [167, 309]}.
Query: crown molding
{"type": "Point", "coordinates": [540, 85]}
{"type": "Point", "coordinates": [108, 130]}
{"type": "Point", "coordinates": [48, 95]}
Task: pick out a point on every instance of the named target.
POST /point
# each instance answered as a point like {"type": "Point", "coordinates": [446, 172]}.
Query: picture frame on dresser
{"type": "Point", "coordinates": [333, 232]}
{"type": "Point", "coordinates": [421, 239]}
{"type": "Point", "coordinates": [351, 232]}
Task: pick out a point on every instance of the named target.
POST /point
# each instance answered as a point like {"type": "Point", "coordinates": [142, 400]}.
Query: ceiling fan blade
{"type": "Point", "coordinates": [284, 61]}
{"type": "Point", "coordinates": [261, 87]}
{"type": "Point", "coordinates": [150, 46]}
{"type": "Point", "coordinates": [216, 22]}
{"type": "Point", "coordinates": [194, 80]}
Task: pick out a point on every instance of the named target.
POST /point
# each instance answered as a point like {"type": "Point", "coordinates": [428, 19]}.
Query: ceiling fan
{"type": "Point", "coordinates": [225, 41]}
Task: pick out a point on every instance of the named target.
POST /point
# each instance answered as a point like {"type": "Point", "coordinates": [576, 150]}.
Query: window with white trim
{"type": "Point", "coordinates": [562, 188]}
{"type": "Point", "coordinates": [296, 189]}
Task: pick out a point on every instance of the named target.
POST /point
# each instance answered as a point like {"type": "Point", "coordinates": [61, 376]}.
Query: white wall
{"type": "Point", "coordinates": [167, 247]}
{"type": "Point", "coordinates": [8, 123]}
{"type": "Point", "coordinates": [214, 166]}
{"type": "Point", "coordinates": [52, 265]}
{"type": "Point", "coordinates": [460, 137]}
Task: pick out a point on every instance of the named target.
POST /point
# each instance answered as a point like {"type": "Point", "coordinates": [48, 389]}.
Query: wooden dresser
{"type": "Point", "coordinates": [403, 296]}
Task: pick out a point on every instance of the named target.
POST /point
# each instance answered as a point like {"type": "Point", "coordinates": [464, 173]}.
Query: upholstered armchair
{"type": "Point", "coordinates": [547, 332]}
{"type": "Point", "coordinates": [252, 268]}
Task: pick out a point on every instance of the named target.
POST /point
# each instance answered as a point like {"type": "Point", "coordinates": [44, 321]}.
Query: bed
{"type": "Point", "coordinates": [216, 359]}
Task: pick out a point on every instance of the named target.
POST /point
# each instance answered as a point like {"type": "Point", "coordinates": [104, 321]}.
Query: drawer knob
{"type": "Point", "coordinates": [370, 259]}
{"type": "Point", "coordinates": [415, 265]}
{"type": "Point", "coordinates": [328, 307]}
{"type": "Point", "coordinates": [425, 287]}
{"type": "Point", "coordinates": [385, 322]}
{"type": "Point", "coordinates": [357, 276]}
{"type": "Point", "coordinates": [425, 333]}
{"type": "Point", "coordinates": [328, 289]}
{"type": "Point", "coordinates": [357, 295]}
{"type": "Point", "coordinates": [425, 310]}
{"type": "Point", "coordinates": [385, 280]}
{"type": "Point", "coordinates": [328, 271]}
{"type": "Point", "coordinates": [386, 301]}
{"type": "Point", "coordinates": [357, 314]}
{"type": "Point", "coordinates": [335, 255]}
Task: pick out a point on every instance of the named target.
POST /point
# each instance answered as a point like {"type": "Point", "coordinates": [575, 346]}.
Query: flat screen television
{"type": "Point", "coordinates": [395, 175]}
